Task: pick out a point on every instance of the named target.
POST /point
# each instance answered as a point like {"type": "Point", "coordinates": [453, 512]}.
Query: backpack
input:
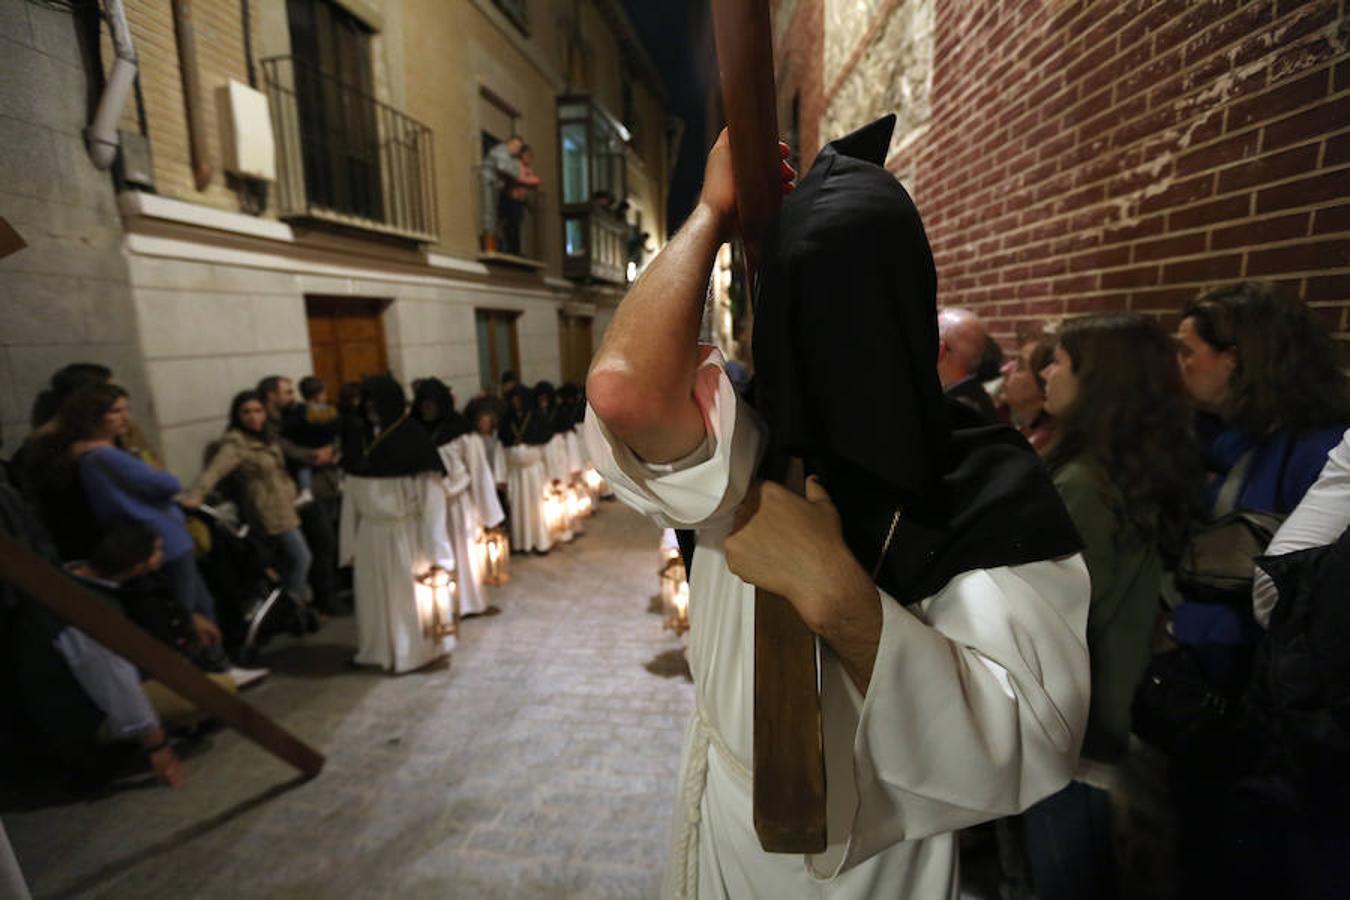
{"type": "Point", "coordinates": [1299, 700]}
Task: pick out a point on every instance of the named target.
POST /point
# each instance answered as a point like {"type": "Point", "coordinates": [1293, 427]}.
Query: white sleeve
{"type": "Point", "coordinates": [481, 483]}
{"type": "Point", "coordinates": [1319, 519]}
{"type": "Point", "coordinates": [436, 549]}
{"type": "Point", "coordinates": [976, 709]}
{"type": "Point", "coordinates": [456, 478]}
{"type": "Point", "coordinates": [704, 486]}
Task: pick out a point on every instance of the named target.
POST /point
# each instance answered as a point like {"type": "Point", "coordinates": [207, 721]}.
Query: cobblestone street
{"type": "Point", "coordinates": [540, 763]}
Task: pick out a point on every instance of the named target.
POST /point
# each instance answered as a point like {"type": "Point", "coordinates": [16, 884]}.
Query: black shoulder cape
{"type": "Point", "coordinates": [402, 447]}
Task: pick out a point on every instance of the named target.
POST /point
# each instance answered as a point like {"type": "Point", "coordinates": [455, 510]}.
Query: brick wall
{"type": "Point", "coordinates": [1127, 155]}
{"type": "Point", "coordinates": [219, 35]}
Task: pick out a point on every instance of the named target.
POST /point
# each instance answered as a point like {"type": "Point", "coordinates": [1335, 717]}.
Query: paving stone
{"type": "Point", "coordinates": [541, 763]}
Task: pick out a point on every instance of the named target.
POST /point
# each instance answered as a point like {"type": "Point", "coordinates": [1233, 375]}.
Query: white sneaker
{"type": "Point", "coordinates": [242, 678]}
{"type": "Point", "coordinates": [304, 498]}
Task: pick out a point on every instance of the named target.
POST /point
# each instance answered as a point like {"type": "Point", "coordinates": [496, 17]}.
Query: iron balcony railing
{"type": "Point", "coordinates": [345, 157]}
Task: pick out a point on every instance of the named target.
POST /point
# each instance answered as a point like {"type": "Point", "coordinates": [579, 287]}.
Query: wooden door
{"type": "Point", "coordinates": [346, 339]}
{"type": "Point", "coordinates": [574, 335]}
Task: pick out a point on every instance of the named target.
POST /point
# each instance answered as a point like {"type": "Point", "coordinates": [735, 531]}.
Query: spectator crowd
{"type": "Point", "coordinates": [301, 510]}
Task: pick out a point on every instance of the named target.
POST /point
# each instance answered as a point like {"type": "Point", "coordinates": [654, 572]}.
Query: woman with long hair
{"type": "Point", "coordinates": [470, 491]}
{"type": "Point", "coordinates": [1264, 375]}
{"type": "Point", "coordinates": [118, 486]}
{"type": "Point", "coordinates": [1023, 392]}
{"type": "Point", "coordinates": [393, 532]}
{"type": "Point", "coordinates": [250, 450]}
{"type": "Point", "coordinates": [1128, 468]}
{"type": "Point", "coordinates": [1273, 403]}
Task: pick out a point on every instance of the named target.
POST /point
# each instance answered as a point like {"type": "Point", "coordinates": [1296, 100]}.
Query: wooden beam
{"type": "Point", "coordinates": [789, 755]}
{"type": "Point", "coordinates": [51, 587]}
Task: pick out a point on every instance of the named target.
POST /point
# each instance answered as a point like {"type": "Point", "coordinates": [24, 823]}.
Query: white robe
{"type": "Point", "coordinates": [463, 522]}
{"type": "Point", "coordinates": [491, 456]}
{"type": "Point", "coordinates": [555, 460]}
{"type": "Point", "coordinates": [393, 529]}
{"type": "Point", "coordinates": [976, 707]}
{"type": "Point", "coordinates": [526, 480]}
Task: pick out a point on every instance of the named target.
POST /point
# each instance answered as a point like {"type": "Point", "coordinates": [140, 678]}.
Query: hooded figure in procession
{"type": "Point", "coordinates": [470, 491]}
{"type": "Point", "coordinates": [393, 530]}
{"type": "Point", "coordinates": [931, 555]}
{"type": "Point", "coordinates": [525, 433]}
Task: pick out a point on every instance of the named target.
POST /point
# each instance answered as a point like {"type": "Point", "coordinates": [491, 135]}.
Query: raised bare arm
{"type": "Point", "coordinates": [641, 383]}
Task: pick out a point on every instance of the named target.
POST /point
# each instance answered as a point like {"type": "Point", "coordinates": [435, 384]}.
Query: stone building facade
{"type": "Point", "coordinates": [366, 249]}
{"type": "Point", "coordinates": [1094, 155]}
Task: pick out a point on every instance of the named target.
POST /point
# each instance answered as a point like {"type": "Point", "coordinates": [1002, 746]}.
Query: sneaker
{"type": "Point", "coordinates": [304, 498]}
{"type": "Point", "coordinates": [242, 678]}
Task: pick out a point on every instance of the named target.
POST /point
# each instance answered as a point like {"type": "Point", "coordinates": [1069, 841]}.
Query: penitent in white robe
{"type": "Point", "coordinates": [470, 504]}
{"type": "Point", "coordinates": [526, 480]}
{"type": "Point", "coordinates": [393, 529]}
{"type": "Point", "coordinates": [976, 707]}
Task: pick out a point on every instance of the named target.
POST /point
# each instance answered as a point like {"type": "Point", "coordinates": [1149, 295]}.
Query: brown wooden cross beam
{"type": "Point", "coordinates": [789, 756]}
{"type": "Point", "coordinates": [48, 585]}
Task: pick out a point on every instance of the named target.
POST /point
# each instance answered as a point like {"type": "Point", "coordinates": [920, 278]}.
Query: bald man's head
{"type": "Point", "coordinates": [961, 343]}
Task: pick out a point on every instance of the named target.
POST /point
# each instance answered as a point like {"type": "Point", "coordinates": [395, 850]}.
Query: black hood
{"type": "Point", "coordinates": [845, 351]}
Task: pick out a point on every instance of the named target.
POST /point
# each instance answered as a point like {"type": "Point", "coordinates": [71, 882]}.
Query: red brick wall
{"type": "Point", "coordinates": [1127, 155]}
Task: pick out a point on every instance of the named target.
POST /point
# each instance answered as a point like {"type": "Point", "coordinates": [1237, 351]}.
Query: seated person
{"type": "Point", "coordinates": [79, 700]}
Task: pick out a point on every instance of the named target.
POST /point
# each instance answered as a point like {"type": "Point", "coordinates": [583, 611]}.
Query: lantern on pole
{"type": "Point", "coordinates": [438, 603]}
{"type": "Point", "coordinates": [675, 595]}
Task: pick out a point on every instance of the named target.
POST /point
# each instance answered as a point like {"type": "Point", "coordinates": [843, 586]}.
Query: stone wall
{"type": "Point", "coordinates": [211, 327]}
{"type": "Point", "coordinates": [1121, 154]}
{"type": "Point", "coordinates": [66, 297]}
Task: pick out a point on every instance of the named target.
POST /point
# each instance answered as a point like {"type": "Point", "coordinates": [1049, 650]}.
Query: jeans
{"type": "Point", "coordinates": [1070, 844]}
{"type": "Point", "coordinates": [190, 590]}
{"type": "Point", "coordinates": [187, 586]}
{"type": "Point", "coordinates": [295, 562]}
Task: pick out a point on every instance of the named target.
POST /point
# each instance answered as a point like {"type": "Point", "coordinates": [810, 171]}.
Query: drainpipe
{"type": "Point", "coordinates": [101, 136]}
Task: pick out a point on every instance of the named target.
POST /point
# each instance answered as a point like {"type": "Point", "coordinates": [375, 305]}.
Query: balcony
{"type": "Point", "coordinates": [344, 158]}
{"type": "Point", "coordinates": [593, 146]}
{"type": "Point", "coordinates": [503, 240]}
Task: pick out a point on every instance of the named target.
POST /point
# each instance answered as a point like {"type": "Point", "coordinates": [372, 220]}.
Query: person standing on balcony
{"type": "Point", "coordinates": [501, 170]}
{"type": "Point", "coordinates": [514, 198]}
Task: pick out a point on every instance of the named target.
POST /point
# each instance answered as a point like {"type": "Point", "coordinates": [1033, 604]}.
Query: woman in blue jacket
{"type": "Point", "coordinates": [119, 485]}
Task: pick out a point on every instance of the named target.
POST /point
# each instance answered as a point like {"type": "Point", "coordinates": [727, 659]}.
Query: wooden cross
{"type": "Point", "coordinates": [46, 584]}
{"type": "Point", "coordinates": [789, 755]}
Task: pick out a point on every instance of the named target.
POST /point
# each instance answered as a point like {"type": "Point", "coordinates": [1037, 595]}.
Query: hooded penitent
{"type": "Point", "coordinates": [845, 351]}
{"type": "Point", "coordinates": [445, 424]}
{"type": "Point", "coordinates": [519, 414]}
{"type": "Point", "coordinates": [539, 430]}
{"type": "Point", "coordinates": [401, 448]}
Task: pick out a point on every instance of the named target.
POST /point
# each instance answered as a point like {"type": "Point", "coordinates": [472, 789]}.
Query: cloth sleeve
{"type": "Point", "coordinates": [1097, 525]}
{"type": "Point", "coordinates": [1321, 518]}
{"type": "Point", "coordinates": [136, 477]}
{"type": "Point", "coordinates": [111, 682]}
{"type": "Point", "coordinates": [703, 487]}
{"type": "Point", "coordinates": [436, 549]}
{"type": "Point", "coordinates": [227, 459]}
{"type": "Point", "coordinates": [975, 711]}
{"type": "Point", "coordinates": [456, 477]}
{"type": "Point", "coordinates": [482, 483]}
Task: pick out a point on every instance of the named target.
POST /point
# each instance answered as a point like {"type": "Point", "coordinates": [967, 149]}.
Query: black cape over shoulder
{"type": "Point", "coordinates": [402, 447]}
{"type": "Point", "coordinates": [845, 350]}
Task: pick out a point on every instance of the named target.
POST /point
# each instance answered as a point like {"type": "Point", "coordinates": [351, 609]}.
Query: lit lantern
{"type": "Point", "coordinates": [495, 550]}
{"type": "Point", "coordinates": [595, 482]}
{"type": "Point", "coordinates": [675, 595]}
{"type": "Point", "coordinates": [555, 513]}
{"type": "Point", "coordinates": [438, 603]}
{"type": "Point", "coordinates": [576, 510]}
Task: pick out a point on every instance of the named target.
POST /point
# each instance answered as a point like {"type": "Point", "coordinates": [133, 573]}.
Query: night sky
{"type": "Point", "coordinates": [674, 34]}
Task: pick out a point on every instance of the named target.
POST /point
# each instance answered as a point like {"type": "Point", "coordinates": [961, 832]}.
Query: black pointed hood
{"type": "Point", "coordinates": [845, 351]}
